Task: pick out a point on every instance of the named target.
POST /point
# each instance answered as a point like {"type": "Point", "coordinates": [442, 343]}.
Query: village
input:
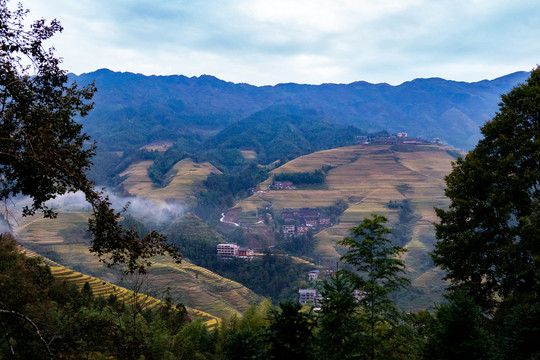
{"type": "Point", "coordinates": [401, 137]}
{"type": "Point", "coordinates": [313, 297]}
{"type": "Point", "coordinates": [300, 221]}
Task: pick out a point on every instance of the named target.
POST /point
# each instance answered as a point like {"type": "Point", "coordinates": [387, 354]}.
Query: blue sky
{"type": "Point", "coordinates": [265, 42]}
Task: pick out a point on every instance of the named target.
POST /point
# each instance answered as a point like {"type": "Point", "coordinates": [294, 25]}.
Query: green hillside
{"type": "Point", "coordinates": [104, 289]}
{"type": "Point", "coordinates": [65, 241]}
{"type": "Point", "coordinates": [182, 177]}
{"type": "Point", "coordinates": [370, 178]}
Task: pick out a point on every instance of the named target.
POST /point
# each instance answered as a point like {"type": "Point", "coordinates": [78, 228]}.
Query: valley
{"type": "Point", "coordinates": [202, 170]}
{"type": "Point", "coordinates": [155, 216]}
{"type": "Point", "coordinates": [364, 179]}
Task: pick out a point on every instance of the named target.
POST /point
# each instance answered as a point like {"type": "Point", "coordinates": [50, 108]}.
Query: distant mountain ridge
{"type": "Point", "coordinates": [134, 109]}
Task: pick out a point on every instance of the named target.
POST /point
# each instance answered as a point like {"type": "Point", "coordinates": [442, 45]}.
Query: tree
{"type": "Point", "coordinates": [340, 334]}
{"type": "Point", "coordinates": [377, 266]}
{"type": "Point", "coordinates": [290, 334]}
{"type": "Point", "coordinates": [24, 284]}
{"type": "Point", "coordinates": [519, 333]}
{"type": "Point", "coordinates": [457, 332]}
{"type": "Point", "coordinates": [43, 151]}
{"type": "Point", "coordinates": [488, 238]}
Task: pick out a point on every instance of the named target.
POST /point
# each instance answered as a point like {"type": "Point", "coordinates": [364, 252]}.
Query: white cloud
{"type": "Point", "coordinates": [308, 41]}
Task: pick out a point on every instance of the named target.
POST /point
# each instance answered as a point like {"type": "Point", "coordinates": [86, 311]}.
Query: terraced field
{"type": "Point", "coordinates": [160, 146]}
{"type": "Point", "coordinates": [249, 154]}
{"type": "Point", "coordinates": [367, 177]}
{"type": "Point", "coordinates": [64, 241]}
{"type": "Point", "coordinates": [183, 176]}
{"type": "Point", "coordinates": [105, 289]}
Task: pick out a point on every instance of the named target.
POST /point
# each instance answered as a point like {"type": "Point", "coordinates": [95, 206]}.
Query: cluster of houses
{"type": "Point", "coordinates": [282, 185]}
{"type": "Point", "coordinates": [311, 296]}
{"type": "Point", "coordinates": [233, 251]}
{"type": "Point", "coordinates": [401, 137]}
{"type": "Point", "coordinates": [300, 221]}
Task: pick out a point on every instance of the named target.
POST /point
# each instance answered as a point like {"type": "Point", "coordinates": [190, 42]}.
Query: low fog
{"type": "Point", "coordinates": [153, 213]}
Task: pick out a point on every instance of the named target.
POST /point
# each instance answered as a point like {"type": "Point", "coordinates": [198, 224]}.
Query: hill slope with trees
{"type": "Point", "coordinates": [133, 109]}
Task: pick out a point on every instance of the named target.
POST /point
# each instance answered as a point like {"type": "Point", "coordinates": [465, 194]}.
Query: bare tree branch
{"type": "Point", "coordinates": [38, 333]}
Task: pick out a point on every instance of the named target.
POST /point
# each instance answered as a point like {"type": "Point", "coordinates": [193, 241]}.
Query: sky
{"type": "Point", "coordinates": [265, 42]}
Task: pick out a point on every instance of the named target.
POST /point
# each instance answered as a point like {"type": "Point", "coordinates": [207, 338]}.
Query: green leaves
{"type": "Point", "coordinates": [43, 151]}
{"type": "Point", "coordinates": [377, 274]}
{"type": "Point", "coordinates": [488, 238]}
{"type": "Point", "coordinates": [372, 254]}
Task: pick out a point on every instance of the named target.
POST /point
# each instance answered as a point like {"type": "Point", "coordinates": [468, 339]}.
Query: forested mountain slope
{"type": "Point", "coordinates": [133, 109]}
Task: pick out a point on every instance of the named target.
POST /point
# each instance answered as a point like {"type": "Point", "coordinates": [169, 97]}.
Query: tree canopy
{"type": "Point", "coordinates": [378, 273]}
{"type": "Point", "coordinates": [488, 238]}
{"type": "Point", "coordinates": [43, 151]}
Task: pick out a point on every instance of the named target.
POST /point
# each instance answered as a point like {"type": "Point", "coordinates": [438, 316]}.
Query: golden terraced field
{"type": "Point", "coordinates": [105, 289]}
{"type": "Point", "coordinates": [64, 241]}
{"type": "Point", "coordinates": [367, 177]}
{"type": "Point", "coordinates": [184, 175]}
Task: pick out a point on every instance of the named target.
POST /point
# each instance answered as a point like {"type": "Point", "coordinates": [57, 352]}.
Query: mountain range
{"type": "Point", "coordinates": [134, 109]}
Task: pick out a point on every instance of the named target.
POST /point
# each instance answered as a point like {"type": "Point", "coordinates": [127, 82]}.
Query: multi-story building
{"type": "Point", "coordinates": [227, 251]}
{"type": "Point", "coordinates": [232, 251]}
{"type": "Point", "coordinates": [313, 275]}
{"type": "Point", "coordinates": [306, 295]}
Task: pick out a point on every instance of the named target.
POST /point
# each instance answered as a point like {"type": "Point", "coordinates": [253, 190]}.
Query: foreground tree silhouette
{"type": "Point", "coordinates": [488, 239]}
{"type": "Point", "coordinates": [43, 151]}
{"type": "Point", "coordinates": [378, 269]}
{"type": "Point", "coordinates": [290, 333]}
{"type": "Point", "coordinates": [340, 336]}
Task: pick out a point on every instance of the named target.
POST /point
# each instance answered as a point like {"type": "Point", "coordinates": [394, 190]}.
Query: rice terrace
{"type": "Point", "coordinates": [368, 178]}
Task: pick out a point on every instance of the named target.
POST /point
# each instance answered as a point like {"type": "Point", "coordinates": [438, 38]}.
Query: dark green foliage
{"type": "Point", "coordinates": [196, 239]}
{"type": "Point", "coordinates": [519, 333]}
{"type": "Point", "coordinates": [220, 191]}
{"type": "Point", "coordinates": [457, 331]}
{"type": "Point", "coordinates": [245, 337]}
{"type": "Point", "coordinates": [335, 210]}
{"type": "Point", "coordinates": [129, 222]}
{"type": "Point", "coordinates": [488, 238]}
{"type": "Point", "coordinates": [163, 164]}
{"type": "Point", "coordinates": [36, 116]}
{"type": "Point", "coordinates": [289, 335]}
{"type": "Point", "coordinates": [245, 344]}
{"type": "Point", "coordinates": [377, 275]}
{"type": "Point", "coordinates": [402, 230]}
{"type": "Point", "coordinates": [41, 318]}
{"type": "Point", "coordinates": [302, 178]}
{"type": "Point", "coordinates": [454, 153]}
{"type": "Point", "coordinates": [297, 245]}
{"type": "Point", "coordinates": [224, 159]}
{"type": "Point", "coordinates": [43, 151]}
{"type": "Point", "coordinates": [273, 276]}
{"type": "Point", "coordinates": [107, 165]}
{"type": "Point", "coordinates": [340, 335]}
{"type": "Point", "coordinates": [283, 131]}
{"type": "Point", "coordinates": [23, 280]}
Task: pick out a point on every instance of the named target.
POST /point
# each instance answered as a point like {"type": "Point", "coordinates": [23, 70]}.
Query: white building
{"type": "Point", "coordinates": [306, 295]}
{"type": "Point", "coordinates": [227, 251]}
{"type": "Point", "coordinates": [313, 275]}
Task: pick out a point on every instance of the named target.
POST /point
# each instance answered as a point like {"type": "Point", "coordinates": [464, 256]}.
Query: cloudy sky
{"type": "Point", "coordinates": [264, 42]}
